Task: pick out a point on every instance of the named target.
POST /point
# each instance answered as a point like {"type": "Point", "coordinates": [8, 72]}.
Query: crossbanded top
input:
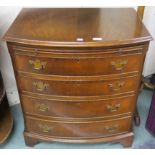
{"type": "Point", "coordinates": [80, 27]}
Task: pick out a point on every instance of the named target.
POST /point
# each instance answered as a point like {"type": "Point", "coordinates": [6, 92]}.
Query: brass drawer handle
{"type": "Point", "coordinates": [112, 128]}
{"type": "Point", "coordinates": [119, 64]}
{"type": "Point", "coordinates": [43, 107]}
{"type": "Point", "coordinates": [45, 128]}
{"type": "Point", "coordinates": [113, 108]}
{"type": "Point", "coordinates": [40, 86]}
{"type": "Point", "coordinates": [37, 64]}
{"type": "Point", "coordinates": [116, 86]}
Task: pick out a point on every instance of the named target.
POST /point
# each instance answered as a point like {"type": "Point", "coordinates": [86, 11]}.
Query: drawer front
{"type": "Point", "coordinates": [78, 129]}
{"type": "Point", "coordinates": [78, 109]}
{"type": "Point", "coordinates": [79, 88]}
{"type": "Point", "coordinates": [79, 66]}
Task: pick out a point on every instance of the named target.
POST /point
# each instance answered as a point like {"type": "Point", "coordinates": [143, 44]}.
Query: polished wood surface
{"type": "Point", "coordinates": [6, 120]}
{"type": "Point", "coordinates": [67, 27]}
{"type": "Point", "coordinates": [78, 73]}
{"type": "Point", "coordinates": [89, 109]}
{"type": "Point", "coordinates": [81, 130]}
{"type": "Point", "coordinates": [140, 11]}
{"type": "Point", "coordinates": [119, 60]}
{"type": "Point", "coordinates": [79, 88]}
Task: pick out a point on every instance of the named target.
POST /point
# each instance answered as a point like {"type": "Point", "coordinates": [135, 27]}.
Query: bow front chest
{"type": "Point", "coordinates": [78, 72]}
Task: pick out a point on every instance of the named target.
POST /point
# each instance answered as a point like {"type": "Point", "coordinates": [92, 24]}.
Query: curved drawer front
{"type": "Point", "coordinates": [79, 66]}
{"type": "Point", "coordinates": [78, 109]}
{"type": "Point", "coordinates": [78, 129]}
{"type": "Point", "coordinates": [78, 88]}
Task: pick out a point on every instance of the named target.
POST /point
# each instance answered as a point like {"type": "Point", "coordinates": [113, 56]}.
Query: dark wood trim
{"type": "Point", "coordinates": [124, 139]}
{"type": "Point", "coordinates": [6, 124]}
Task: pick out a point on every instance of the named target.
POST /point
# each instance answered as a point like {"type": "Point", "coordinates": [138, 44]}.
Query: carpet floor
{"type": "Point", "coordinates": [143, 139]}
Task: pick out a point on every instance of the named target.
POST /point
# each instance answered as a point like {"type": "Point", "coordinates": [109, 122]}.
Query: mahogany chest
{"type": "Point", "coordinates": [78, 72]}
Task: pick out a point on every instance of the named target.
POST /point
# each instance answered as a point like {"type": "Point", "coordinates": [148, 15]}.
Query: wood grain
{"type": "Point", "coordinates": [103, 108]}
{"type": "Point", "coordinates": [78, 88]}
{"type": "Point", "coordinates": [126, 60]}
{"type": "Point", "coordinates": [73, 67]}
{"type": "Point", "coordinates": [78, 130]}
{"type": "Point", "coordinates": [140, 11]}
{"type": "Point", "coordinates": [63, 27]}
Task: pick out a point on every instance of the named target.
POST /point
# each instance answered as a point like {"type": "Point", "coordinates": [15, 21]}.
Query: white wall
{"type": "Point", "coordinates": [149, 21]}
{"type": "Point", "coordinates": [7, 16]}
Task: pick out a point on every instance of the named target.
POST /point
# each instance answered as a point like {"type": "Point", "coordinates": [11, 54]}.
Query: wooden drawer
{"type": "Point", "coordinates": [88, 129]}
{"type": "Point", "coordinates": [78, 88]}
{"type": "Point", "coordinates": [81, 64]}
{"type": "Point", "coordinates": [78, 109]}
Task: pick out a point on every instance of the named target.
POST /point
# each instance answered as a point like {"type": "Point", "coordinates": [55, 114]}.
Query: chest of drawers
{"type": "Point", "coordinates": [78, 73]}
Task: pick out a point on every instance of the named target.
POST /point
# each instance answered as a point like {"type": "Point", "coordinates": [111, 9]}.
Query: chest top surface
{"type": "Point", "coordinates": [81, 27]}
